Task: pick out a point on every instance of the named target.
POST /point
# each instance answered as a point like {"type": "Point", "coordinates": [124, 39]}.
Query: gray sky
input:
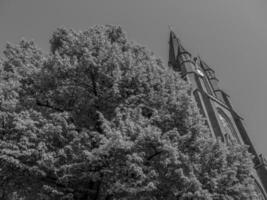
{"type": "Point", "coordinates": [230, 35]}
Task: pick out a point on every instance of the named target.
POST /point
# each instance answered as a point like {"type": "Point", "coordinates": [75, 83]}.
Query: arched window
{"type": "Point", "coordinates": [258, 191]}
{"type": "Point", "coordinates": [229, 132]}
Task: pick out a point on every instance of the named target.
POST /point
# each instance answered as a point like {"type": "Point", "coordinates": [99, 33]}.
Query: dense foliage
{"type": "Point", "coordinates": [102, 118]}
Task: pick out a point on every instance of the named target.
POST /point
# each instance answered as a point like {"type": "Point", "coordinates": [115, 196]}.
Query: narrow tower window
{"type": "Point", "coordinates": [228, 129]}
{"type": "Point", "coordinates": [258, 191]}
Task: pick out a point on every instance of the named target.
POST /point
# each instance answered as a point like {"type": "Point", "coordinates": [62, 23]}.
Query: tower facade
{"type": "Point", "coordinates": [215, 106]}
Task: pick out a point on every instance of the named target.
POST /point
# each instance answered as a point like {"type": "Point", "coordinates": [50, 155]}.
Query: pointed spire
{"type": "Point", "coordinates": [176, 50]}
{"type": "Point", "coordinates": [172, 49]}
{"type": "Point", "coordinates": [176, 44]}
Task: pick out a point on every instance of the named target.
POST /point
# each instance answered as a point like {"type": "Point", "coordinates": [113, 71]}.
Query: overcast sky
{"type": "Point", "coordinates": [230, 35]}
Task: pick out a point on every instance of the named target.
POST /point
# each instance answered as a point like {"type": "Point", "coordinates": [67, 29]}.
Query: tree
{"type": "Point", "coordinates": [102, 118]}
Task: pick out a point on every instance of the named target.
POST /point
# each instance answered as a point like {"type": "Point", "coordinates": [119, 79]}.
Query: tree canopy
{"type": "Point", "coordinates": [100, 117]}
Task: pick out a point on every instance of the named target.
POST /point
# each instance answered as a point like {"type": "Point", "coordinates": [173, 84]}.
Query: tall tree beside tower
{"type": "Point", "coordinates": [102, 118]}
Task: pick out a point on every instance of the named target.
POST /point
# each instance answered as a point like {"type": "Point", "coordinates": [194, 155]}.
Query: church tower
{"type": "Point", "coordinates": [215, 106]}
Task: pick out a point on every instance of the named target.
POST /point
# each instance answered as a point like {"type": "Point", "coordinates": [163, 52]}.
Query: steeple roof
{"type": "Point", "coordinates": [176, 45]}
{"type": "Point", "coordinates": [176, 49]}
